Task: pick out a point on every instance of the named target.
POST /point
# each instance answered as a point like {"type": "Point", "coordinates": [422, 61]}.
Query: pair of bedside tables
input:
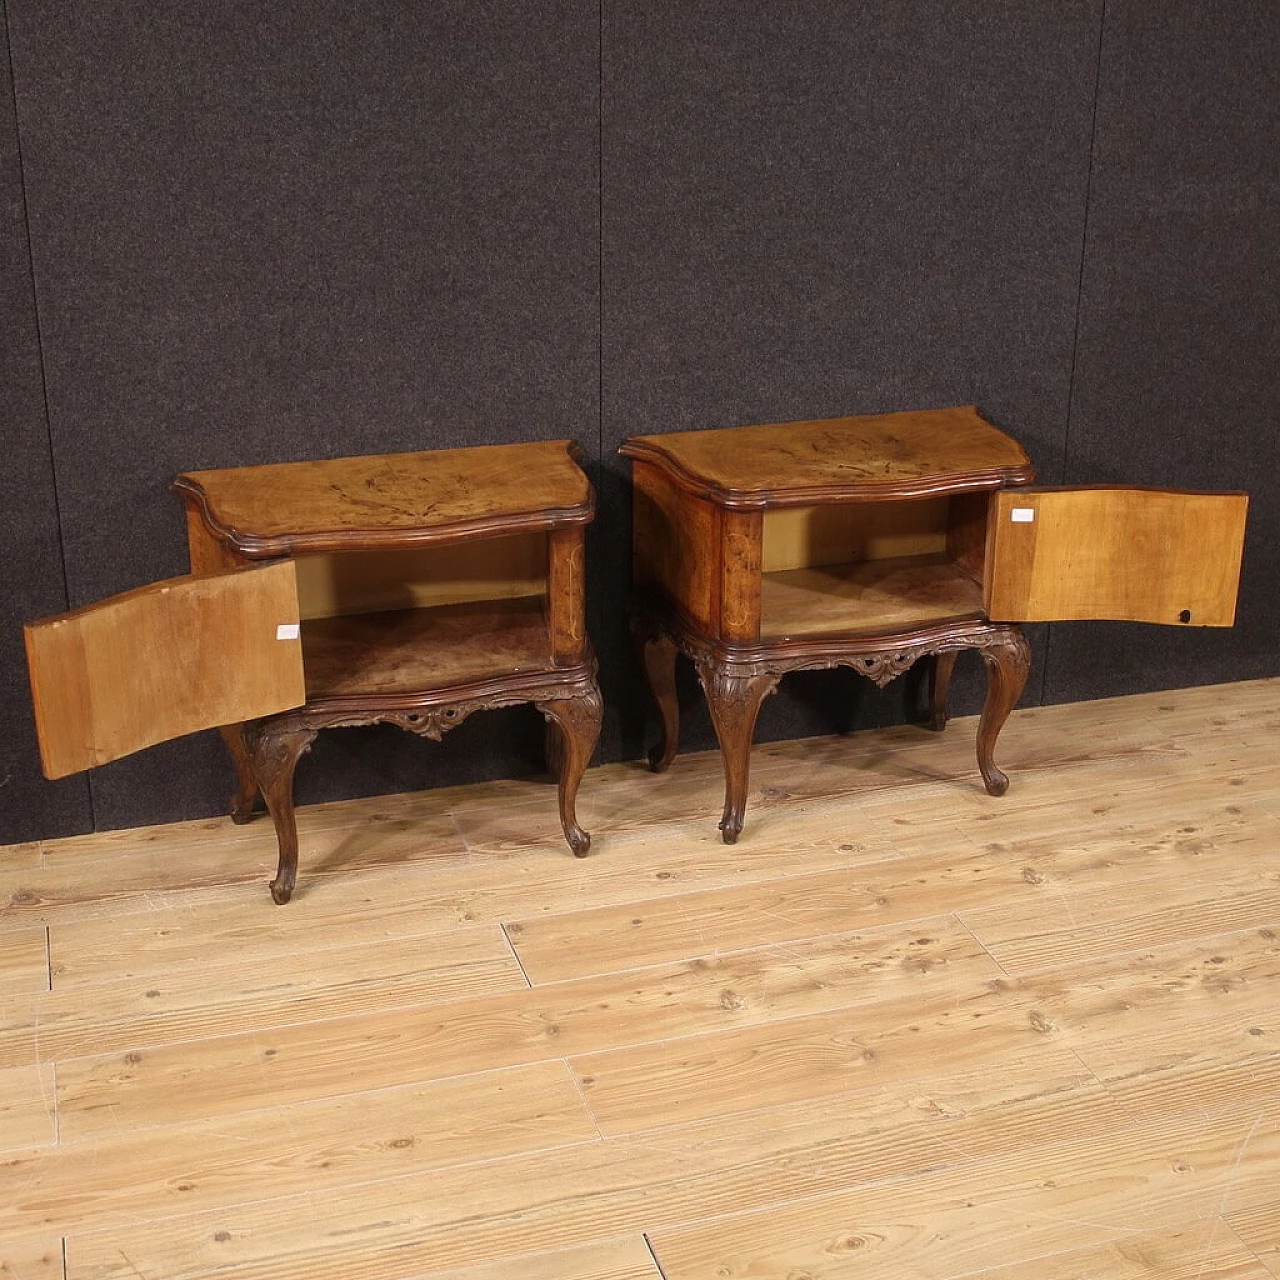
{"type": "Point", "coordinates": [415, 589]}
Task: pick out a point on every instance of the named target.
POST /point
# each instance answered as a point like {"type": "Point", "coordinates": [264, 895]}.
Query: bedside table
{"type": "Point", "coordinates": [873, 542]}
{"type": "Point", "coordinates": [410, 589]}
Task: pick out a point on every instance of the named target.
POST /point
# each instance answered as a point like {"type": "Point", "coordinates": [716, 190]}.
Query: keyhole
{"type": "Point", "coordinates": [1185, 616]}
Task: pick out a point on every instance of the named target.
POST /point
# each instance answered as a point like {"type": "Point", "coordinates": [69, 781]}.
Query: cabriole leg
{"type": "Point", "coordinates": [734, 702]}
{"type": "Point", "coordinates": [246, 792]}
{"type": "Point", "coordinates": [944, 664]}
{"type": "Point", "coordinates": [1007, 661]}
{"type": "Point", "coordinates": [275, 757]}
{"type": "Point", "coordinates": [658, 654]}
{"type": "Point", "coordinates": [578, 721]}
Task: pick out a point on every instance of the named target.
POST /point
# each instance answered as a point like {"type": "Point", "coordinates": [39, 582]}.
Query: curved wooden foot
{"type": "Point", "coordinates": [658, 654]}
{"type": "Point", "coordinates": [734, 702]}
{"type": "Point", "coordinates": [578, 720]}
{"type": "Point", "coordinates": [1008, 661]}
{"type": "Point", "coordinates": [245, 795]}
{"type": "Point", "coordinates": [944, 665]}
{"type": "Point", "coordinates": [275, 756]}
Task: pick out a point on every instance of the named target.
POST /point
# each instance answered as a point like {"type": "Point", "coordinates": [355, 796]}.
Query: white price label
{"type": "Point", "coordinates": [1022, 515]}
{"type": "Point", "coordinates": [287, 631]}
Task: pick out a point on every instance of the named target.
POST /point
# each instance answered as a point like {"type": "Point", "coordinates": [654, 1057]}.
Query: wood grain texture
{"type": "Point", "coordinates": [413, 650]}
{"type": "Point", "coordinates": [626, 1259]}
{"type": "Point", "coordinates": [37, 1257]}
{"type": "Point", "coordinates": [867, 597]}
{"type": "Point", "coordinates": [1259, 1228]}
{"type": "Point", "coordinates": [881, 456]}
{"type": "Point", "coordinates": [162, 661]}
{"type": "Point", "coordinates": [902, 1029]}
{"type": "Point", "coordinates": [1135, 555]}
{"type": "Point", "coordinates": [392, 499]}
{"type": "Point", "coordinates": [24, 959]}
{"type": "Point", "coordinates": [667, 523]}
{"type": "Point", "coordinates": [28, 1115]}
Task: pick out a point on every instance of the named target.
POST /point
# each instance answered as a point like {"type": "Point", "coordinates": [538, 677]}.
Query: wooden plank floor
{"type": "Point", "coordinates": [901, 1029]}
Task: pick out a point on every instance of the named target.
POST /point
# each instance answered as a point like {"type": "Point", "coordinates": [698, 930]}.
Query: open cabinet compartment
{"type": "Point", "coordinates": [871, 567]}
{"type": "Point", "coordinates": [412, 619]}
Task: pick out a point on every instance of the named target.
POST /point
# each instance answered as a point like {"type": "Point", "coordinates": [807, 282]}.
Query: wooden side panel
{"type": "Point", "coordinates": [967, 532]}
{"type": "Point", "coordinates": [567, 595]}
{"type": "Point", "coordinates": [677, 545]}
{"type": "Point", "coordinates": [204, 552]}
{"type": "Point", "coordinates": [740, 585]}
{"type": "Point", "coordinates": [1134, 555]}
{"type": "Point", "coordinates": [162, 661]}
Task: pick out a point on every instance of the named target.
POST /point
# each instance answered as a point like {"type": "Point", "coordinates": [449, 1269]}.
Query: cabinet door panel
{"type": "Point", "coordinates": [1133, 555]}
{"type": "Point", "coordinates": [162, 661]}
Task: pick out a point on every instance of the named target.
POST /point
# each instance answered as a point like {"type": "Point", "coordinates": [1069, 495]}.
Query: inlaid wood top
{"type": "Point", "coordinates": [889, 455]}
{"type": "Point", "coordinates": [394, 499]}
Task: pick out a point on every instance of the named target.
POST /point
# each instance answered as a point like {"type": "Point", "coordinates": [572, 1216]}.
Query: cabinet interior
{"type": "Point", "coordinates": [404, 619]}
{"type": "Point", "coordinates": [348, 582]}
{"type": "Point", "coordinates": [871, 566]}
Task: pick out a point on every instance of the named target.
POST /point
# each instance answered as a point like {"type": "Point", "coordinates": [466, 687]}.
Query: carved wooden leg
{"type": "Point", "coordinates": [578, 720]}
{"type": "Point", "coordinates": [553, 748]}
{"type": "Point", "coordinates": [246, 792]}
{"type": "Point", "coordinates": [657, 653]}
{"type": "Point", "coordinates": [1008, 662]}
{"type": "Point", "coordinates": [275, 756]}
{"type": "Point", "coordinates": [939, 686]}
{"type": "Point", "coordinates": [734, 702]}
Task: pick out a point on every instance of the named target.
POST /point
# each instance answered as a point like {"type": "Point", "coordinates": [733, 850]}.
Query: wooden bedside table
{"type": "Point", "coordinates": [872, 542]}
{"type": "Point", "coordinates": [428, 586]}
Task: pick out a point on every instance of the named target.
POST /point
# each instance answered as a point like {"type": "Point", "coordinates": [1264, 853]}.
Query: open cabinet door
{"type": "Point", "coordinates": [165, 660]}
{"type": "Point", "coordinates": [1133, 555]}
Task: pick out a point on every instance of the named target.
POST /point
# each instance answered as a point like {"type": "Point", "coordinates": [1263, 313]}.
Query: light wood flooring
{"type": "Point", "coordinates": [901, 1029]}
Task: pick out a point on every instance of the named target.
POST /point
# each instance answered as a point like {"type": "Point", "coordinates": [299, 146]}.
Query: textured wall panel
{"type": "Point", "coordinates": [813, 209]}
{"type": "Point", "coordinates": [31, 582]}
{"type": "Point", "coordinates": [300, 230]}
{"type": "Point", "coordinates": [1180, 315]}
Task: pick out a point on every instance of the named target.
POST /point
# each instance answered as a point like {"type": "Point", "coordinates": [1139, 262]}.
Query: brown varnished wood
{"type": "Point", "coordinates": [658, 653]}
{"type": "Point", "coordinates": [577, 718]}
{"type": "Point", "coordinates": [391, 500]}
{"type": "Point", "coordinates": [944, 665]}
{"type": "Point", "coordinates": [1135, 555]}
{"type": "Point", "coordinates": [883, 456]}
{"type": "Point", "coordinates": [676, 537]}
{"type": "Point", "coordinates": [435, 585]}
{"type": "Point", "coordinates": [567, 595]}
{"type": "Point", "coordinates": [868, 597]}
{"type": "Point", "coordinates": [966, 532]}
{"type": "Point", "coordinates": [734, 698]}
{"type": "Point", "coordinates": [852, 542]}
{"type": "Point", "coordinates": [161, 661]}
{"type": "Point", "coordinates": [740, 581]}
{"type": "Point", "coordinates": [886, 539]}
{"type": "Point", "coordinates": [1008, 661]}
{"type": "Point", "coordinates": [422, 650]}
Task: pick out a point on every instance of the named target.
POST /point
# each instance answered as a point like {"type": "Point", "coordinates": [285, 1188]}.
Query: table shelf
{"type": "Point", "coordinates": [869, 597]}
{"type": "Point", "coordinates": [407, 651]}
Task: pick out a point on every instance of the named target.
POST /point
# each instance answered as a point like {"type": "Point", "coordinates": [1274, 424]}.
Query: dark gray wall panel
{"type": "Point", "coordinates": [31, 582]}
{"type": "Point", "coordinates": [1180, 315]}
{"type": "Point", "coordinates": [285, 231]}
{"type": "Point", "coordinates": [815, 209]}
